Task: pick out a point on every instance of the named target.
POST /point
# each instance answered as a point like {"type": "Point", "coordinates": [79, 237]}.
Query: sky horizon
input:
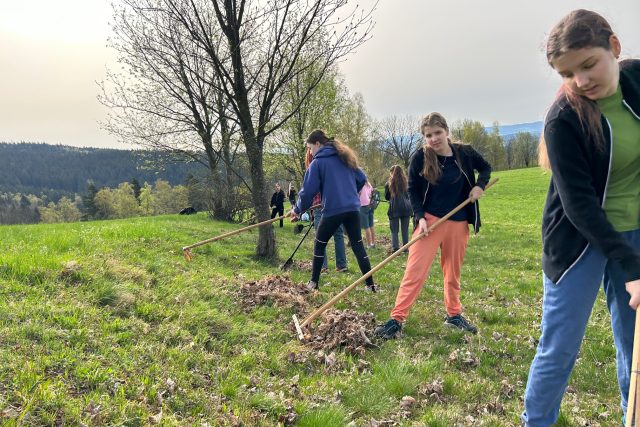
{"type": "Point", "coordinates": [478, 60]}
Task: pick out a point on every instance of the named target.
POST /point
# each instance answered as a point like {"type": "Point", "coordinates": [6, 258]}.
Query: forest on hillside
{"type": "Point", "coordinates": [55, 171]}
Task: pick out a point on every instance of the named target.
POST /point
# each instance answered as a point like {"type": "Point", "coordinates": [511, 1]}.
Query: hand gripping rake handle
{"type": "Point", "coordinates": [349, 288]}
{"type": "Point", "coordinates": [187, 249]}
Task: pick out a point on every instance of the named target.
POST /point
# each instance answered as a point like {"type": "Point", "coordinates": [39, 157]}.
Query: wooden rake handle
{"type": "Point", "coordinates": [633, 409]}
{"type": "Point", "coordinates": [186, 250]}
{"type": "Point", "coordinates": [349, 288]}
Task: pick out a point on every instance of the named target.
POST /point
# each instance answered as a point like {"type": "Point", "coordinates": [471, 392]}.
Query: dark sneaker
{"type": "Point", "coordinates": [324, 270]}
{"type": "Point", "coordinates": [312, 286]}
{"type": "Point", "coordinates": [342, 269]}
{"type": "Point", "coordinates": [389, 330]}
{"type": "Point", "coordinates": [371, 288]}
{"type": "Point", "coordinates": [461, 323]}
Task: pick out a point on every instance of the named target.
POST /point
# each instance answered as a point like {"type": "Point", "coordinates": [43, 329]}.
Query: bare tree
{"type": "Point", "coordinates": [399, 137]}
{"type": "Point", "coordinates": [166, 98]}
{"type": "Point", "coordinates": [256, 49]}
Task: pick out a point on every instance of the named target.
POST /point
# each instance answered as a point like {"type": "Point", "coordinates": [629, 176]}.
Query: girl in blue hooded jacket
{"type": "Point", "coordinates": [334, 173]}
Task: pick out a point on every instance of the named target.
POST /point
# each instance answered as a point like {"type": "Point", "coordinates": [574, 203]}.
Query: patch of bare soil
{"type": "Point", "coordinates": [276, 290]}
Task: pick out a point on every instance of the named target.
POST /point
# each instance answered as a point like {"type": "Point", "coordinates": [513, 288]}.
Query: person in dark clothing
{"type": "Point", "coordinates": [292, 195]}
{"type": "Point", "coordinates": [441, 176]}
{"type": "Point", "coordinates": [334, 173]}
{"type": "Point", "coordinates": [591, 217]}
{"type": "Point", "coordinates": [399, 212]}
{"type": "Point", "coordinates": [277, 204]}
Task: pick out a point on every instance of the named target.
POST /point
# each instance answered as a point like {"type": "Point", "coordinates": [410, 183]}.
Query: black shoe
{"type": "Point", "coordinates": [371, 288]}
{"type": "Point", "coordinates": [312, 286]}
{"type": "Point", "coordinates": [461, 323]}
{"type": "Point", "coordinates": [342, 269]}
{"type": "Point", "coordinates": [389, 330]}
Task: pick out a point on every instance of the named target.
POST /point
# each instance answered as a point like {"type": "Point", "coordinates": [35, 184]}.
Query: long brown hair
{"type": "Point", "coordinates": [397, 181]}
{"type": "Point", "coordinates": [580, 29]}
{"type": "Point", "coordinates": [431, 170]}
{"type": "Point", "coordinates": [346, 154]}
{"type": "Point", "coordinates": [308, 157]}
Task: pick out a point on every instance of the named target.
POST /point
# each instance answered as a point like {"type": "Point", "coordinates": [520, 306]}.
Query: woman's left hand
{"type": "Point", "coordinates": [476, 193]}
{"type": "Point", "coordinates": [633, 288]}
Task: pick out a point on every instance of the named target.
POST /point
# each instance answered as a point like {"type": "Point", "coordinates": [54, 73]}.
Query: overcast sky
{"type": "Point", "coordinates": [478, 59]}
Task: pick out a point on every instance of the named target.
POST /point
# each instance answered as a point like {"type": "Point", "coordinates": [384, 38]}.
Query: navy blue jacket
{"type": "Point", "coordinates": [574, 216]}
{"type": "Point", "coordinates": [468, 160]}
{"type": "Point", "coordinates": [337, 182]}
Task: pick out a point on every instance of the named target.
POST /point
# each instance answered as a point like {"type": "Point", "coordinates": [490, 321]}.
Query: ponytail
{"type": "Point", "coordinates": [346, 154]}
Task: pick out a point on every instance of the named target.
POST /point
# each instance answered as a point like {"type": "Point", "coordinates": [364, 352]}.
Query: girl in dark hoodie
{"type": "Point", "coordinates": [441, 176]}
{"type": "Point", "coordinates": [591, 219]}
{"type": "Point", "coordinates": [334, 173]}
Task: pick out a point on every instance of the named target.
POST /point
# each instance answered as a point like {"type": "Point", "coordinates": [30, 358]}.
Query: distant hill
{"type": "Point", "coordinates": [509, 131]}
{"type": "Point", "coordinates": [57, 170]}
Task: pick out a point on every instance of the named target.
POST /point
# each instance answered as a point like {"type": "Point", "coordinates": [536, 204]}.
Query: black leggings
{"type": "Point", "coordinates": [328, 226]}
{"type": "Point", "coordinates": [280, 212]}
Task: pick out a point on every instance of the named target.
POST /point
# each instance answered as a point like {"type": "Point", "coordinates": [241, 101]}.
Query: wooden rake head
{"type": "Point", "coordinates": [298, 328]}
{"type": "Point", "coordinates": [187, 254]}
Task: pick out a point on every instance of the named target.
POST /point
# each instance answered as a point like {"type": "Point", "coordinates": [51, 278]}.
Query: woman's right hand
{"type": "Point", "coordinates": [423, 226]}
{"type": "Point", "coordinates": [294, 216]}
{"type": "Point", "coordinates": [633, 288]}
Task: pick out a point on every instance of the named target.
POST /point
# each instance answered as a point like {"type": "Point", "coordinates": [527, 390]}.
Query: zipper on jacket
{"type": "Point", "coordinates": [630, 109]}
{"type": "Point", "coordinates": [606, 183]}
{"type": "Point", "coordinates": [424, 199]}
{"type": "Point", "coordinates": [475, 205]}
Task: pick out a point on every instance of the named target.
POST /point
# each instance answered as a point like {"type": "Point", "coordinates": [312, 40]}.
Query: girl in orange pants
{"type": "Point", "coordinates": [441, 176]}
{"type": "Point", "coordinates": [451, 237]}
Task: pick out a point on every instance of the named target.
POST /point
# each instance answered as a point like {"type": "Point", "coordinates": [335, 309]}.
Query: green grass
{"type": "Point", "coordinates": [135, 330]}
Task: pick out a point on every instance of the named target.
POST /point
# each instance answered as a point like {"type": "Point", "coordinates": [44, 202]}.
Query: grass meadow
{"type": "Point", "coordinates": [104, 323]}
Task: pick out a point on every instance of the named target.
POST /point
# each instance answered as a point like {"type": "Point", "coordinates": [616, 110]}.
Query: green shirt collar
{"type": "Point", "coordinates": [611, 101]}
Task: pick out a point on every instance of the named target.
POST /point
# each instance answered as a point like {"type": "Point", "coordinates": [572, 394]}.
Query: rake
{"type": "Point", "coordinates": [288, 262]}
{"type": "Point", "coordinates": [307, 321]}
{"type": "Point", "coordinates": [633, 407]}
{"type": "Point", "coordinates": [186, 250]}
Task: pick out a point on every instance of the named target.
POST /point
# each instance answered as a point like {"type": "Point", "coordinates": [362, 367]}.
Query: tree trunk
{"type": "Point", "coordinates": [215, 204]}
{"type": "Point", "coordinates": [266, 246]}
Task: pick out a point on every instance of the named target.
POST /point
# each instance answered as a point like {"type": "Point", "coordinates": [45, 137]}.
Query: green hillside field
{"type": "Point", "coordinates": [105, 323]}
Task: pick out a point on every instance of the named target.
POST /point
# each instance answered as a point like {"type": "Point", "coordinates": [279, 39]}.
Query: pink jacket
{"type": "Point", "coordinates": [365, 194]}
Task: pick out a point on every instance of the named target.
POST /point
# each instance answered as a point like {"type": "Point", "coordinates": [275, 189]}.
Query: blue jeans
{"type": "Point", "coordinates": [566, 308]}
{"type": "Point", "coordinates": [338, 240]}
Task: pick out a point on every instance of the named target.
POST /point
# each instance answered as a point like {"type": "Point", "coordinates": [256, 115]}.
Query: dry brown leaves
{"type": "Point", "coordinates": [463, 358]}
{"type": "Point", "coordinates": [383, 241]}
{"type": "Point", "coordinates": [434, 391]}
{"type": "Point", "coordinates": [340, 329]}
{"type": "Point", "coordinates": [277, 290]}
{"type": "Point", "coordinates": [301, 265]}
